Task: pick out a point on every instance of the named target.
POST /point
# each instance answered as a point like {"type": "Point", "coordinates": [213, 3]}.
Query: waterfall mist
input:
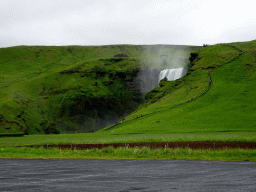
{"type": "Point", "coordinates": [172, 58]}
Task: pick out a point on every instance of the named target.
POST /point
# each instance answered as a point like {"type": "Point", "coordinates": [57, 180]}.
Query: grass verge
{"type": "Point", "coordinates": [113, 137]}
{"type": "Point", "coordinates": [131, 153]}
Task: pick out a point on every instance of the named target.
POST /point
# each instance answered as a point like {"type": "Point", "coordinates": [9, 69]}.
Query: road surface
{"type": "Point", "coordinates": [125, 175]}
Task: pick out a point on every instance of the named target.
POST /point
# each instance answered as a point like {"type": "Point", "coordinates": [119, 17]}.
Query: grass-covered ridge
{"type": "Point", "coordinates": [228, 107]}
{"type": "Point", "coordinates": [47, 89]}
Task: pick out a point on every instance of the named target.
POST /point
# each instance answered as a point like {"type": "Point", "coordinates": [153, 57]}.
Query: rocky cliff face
{"type": "Point", "coordinates": [113, 96]}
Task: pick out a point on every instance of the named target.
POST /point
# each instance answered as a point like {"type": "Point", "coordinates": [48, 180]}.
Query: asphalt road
{"type": "Point", "coordinates": [125, 175]}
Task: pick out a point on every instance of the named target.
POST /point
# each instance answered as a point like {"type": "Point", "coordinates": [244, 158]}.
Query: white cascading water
{"type": "Point", "coordinates": [172, 74]}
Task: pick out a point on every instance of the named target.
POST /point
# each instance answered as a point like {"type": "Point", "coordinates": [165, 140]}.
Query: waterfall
{"type": "Point", "coordinates": [172, 74]}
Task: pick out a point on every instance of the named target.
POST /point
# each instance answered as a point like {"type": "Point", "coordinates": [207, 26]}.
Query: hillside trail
{"type": "Point", "coordinates": [192, 99]}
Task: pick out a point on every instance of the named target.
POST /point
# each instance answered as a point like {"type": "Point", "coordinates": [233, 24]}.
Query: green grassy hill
{"type": "Point", "coordinates": [51, 89]}
{"type": "Point", "coordinates": [76, 88]}
{"type": "Point", "coordinates": [228, 108]}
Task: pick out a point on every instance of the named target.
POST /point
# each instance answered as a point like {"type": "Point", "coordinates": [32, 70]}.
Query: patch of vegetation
{"type": "Point", "coordinates": [12, 134]}
{"type": "Point", "coordinates": [112, 137]}
{"type": "Point", "coordinates": [131, 153]}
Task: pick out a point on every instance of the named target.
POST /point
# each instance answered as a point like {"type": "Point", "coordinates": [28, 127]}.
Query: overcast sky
{"type": "Point", "coordinates": [103, 22]}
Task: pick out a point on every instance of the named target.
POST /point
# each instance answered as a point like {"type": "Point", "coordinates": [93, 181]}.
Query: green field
{"type": "Point", "coordinates": [226, 112]}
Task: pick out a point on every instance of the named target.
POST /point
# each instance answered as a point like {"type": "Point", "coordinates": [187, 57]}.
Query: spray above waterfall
{"type": "Point", "coordinates": [160, 61]}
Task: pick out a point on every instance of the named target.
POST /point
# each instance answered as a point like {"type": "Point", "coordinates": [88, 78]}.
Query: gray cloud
{"type": "Point", "coordinates": [100, 22]}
